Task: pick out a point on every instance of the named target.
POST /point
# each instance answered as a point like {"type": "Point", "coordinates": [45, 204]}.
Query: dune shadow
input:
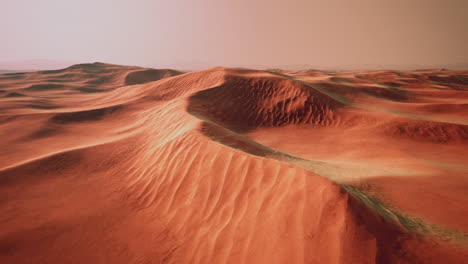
{"type": "Point", "coordinates": [41, 106]}
{"type": "Point", "coordinates": [89, 90]}
{"type": "Point", "coordinates": [15, 94]}
{"type": "Point", "coordinates": [44, 87]}
{"type": "Point", "coordinates": [83, 116]}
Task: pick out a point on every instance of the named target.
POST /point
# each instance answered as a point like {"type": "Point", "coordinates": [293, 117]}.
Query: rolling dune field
{"type": "Point", "coordinates": [102, 163]}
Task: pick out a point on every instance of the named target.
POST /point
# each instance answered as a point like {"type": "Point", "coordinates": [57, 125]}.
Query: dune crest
{"type": "Point", "coordinates": [102, 163]}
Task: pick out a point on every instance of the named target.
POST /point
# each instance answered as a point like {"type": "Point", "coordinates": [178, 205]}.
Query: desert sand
{"type": "Point", "coordinates": [102, 163]}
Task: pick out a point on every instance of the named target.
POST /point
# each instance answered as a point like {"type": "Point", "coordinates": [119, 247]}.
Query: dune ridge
{"type": "Point", "coordinates": [102, 163]}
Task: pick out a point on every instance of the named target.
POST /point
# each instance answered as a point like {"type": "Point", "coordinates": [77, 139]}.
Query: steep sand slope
{"type": "Point", "coordinates": [113, 165]}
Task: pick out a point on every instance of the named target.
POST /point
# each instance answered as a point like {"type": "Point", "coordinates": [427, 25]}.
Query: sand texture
{"type": "Point", "coordinates": [102, 163]}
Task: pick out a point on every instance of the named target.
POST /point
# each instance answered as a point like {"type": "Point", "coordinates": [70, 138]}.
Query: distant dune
{"type": "Point", "coordinates": [102, 163]}
{"type": "Point", "coordinates": [32, 65]}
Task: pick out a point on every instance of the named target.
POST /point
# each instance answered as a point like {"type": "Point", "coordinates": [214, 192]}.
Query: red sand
{"type": "Point", "coordinates": [111, 164]}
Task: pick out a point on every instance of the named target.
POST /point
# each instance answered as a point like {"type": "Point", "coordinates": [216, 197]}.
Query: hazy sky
{"type": "Point", "coordinates": [202, 33]}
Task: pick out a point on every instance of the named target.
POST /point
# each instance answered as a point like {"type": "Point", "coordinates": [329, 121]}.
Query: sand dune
{"type": "Point", "coordinates": [102, 163]}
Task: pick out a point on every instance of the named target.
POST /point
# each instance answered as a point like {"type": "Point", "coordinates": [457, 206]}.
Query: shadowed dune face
{"type": "Point", "coordinates": [102, 163]}
{"type": "Point", "coordinates": [244, 104]}
{"type": "Point", "coordinates": [144, 76]}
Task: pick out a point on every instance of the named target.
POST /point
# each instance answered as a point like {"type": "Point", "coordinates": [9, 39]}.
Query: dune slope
{"type": "Point", "coordinates": [102, 163]}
